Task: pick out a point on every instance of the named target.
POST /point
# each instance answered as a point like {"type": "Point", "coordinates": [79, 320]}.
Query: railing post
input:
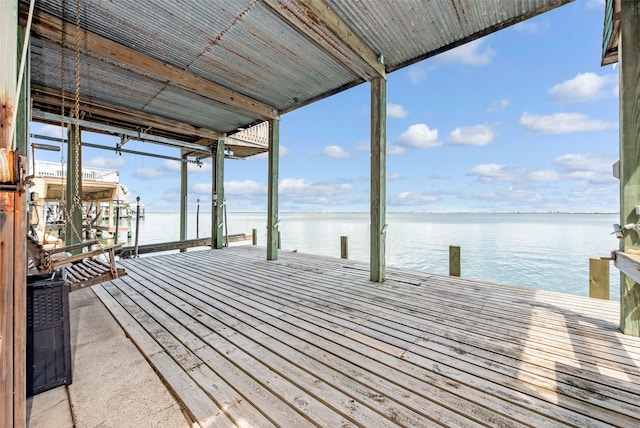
{"type": "Point", "coordinates": [254, 236]}
{"type": "Point", "coordinates": [115, 240]}
{"type": "Point", "coordinates": [344, 247]}
{"type": "Point", "coordinates": [454, 260]}
{"type": "Point", "coordinates": [599, 278]}
{"type": "Point", "coordinates": [137, 224]}
{"type": "Point", "coordinates": [279, 240]}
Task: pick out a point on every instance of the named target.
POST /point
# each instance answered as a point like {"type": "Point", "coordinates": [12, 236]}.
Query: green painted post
{"type": "Point", "coordinates": [272, 203]}
{"type": "Point", "coordinates": [454, 260]}
{"type": "Point", "coordinates": [217, 233]}
{"type": "Point", "coordinates": [344, 247]}
{"type": "Point", "coordinates": [378, 179]}
{"type": "Point", "coordinates": [629, 160]}
{"type": "Point", "coordinates": [184, 181]}
{"type": "Point", "coordinates": [599, 278]}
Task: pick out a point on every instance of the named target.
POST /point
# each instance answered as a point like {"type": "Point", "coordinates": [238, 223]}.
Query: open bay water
{"type": "Point", "coordinates": [542, 251]}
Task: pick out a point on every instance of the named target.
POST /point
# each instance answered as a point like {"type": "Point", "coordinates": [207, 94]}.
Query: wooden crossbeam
{"type": "Point", "coordinates": [44, 95]}
{"type": "Point", "coordinates": [315, 17]}
{"type": "Point", "coordinates": [49, 26]}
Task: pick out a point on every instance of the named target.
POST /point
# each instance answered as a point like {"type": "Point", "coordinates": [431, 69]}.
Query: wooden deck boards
{"type": "Point", "coordinates": [309, 341]}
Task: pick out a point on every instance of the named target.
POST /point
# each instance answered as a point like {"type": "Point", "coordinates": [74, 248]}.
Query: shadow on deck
{"type": "Point", "coordinates": [308, 340]}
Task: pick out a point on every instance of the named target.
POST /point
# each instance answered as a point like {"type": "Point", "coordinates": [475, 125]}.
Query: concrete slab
{"type": "Point", "coordinates": [113, 385]}
{"type": "Point", "coordinates": [49, 409]}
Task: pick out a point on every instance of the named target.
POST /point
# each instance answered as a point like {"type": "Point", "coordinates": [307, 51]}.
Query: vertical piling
{"type": "Point", "coordinates": [254, 236]}
{"type": "Point", "coordinates": [454, 260]}
{"type": "Point", "coordinates": [344, 247]}
{"type": "Point", "coordinates": [599, 278]}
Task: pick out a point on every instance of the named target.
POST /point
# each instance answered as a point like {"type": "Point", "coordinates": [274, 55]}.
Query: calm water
{"type": "Point", "coordinates": [544, 251]}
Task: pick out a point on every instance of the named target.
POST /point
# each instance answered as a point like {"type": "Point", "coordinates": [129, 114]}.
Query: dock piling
{"type": "Point", "coordinates": [599, 278]}
{"type": "Point", "coordinates": [254, 236]}
{"type": "Point", "coordinates": [344, 247]}
{"type": "Point", "coordinates": [454, 260]}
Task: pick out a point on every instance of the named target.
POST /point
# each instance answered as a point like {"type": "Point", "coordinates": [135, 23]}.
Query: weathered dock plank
{"type": "Point", "coordinates": [309, 340]}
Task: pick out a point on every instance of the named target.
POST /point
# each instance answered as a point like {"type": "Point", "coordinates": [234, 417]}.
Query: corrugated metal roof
{"type": "Point", "coordinates": [229, 64]}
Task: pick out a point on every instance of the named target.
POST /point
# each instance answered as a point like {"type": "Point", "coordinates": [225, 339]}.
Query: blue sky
{"type": "Point", "coordinates": [525, 120]}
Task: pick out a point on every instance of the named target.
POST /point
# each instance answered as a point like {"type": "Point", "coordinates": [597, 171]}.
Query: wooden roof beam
{"type": "Point", "coordinates": [138, 119]}
{"type": "Point", "coordinates": [51, 27]}
{"type": "Point", "coordinates": [318, 12]}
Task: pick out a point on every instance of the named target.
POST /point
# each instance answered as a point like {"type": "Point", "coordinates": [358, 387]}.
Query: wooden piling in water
{"type": "Point", "coordinates": [599, 278]}
{"type": "Point", "coordinates": [344, 247]}
{"type": "Point", "coordinates": [254, 236]}
{"type": "Point", "coordinates": [454, 260]}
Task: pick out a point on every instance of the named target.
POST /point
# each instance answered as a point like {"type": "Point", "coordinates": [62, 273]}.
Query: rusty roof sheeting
{"type": "Point", "coordinates": [277, 54]}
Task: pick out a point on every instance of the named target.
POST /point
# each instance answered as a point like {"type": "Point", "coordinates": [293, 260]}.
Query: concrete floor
{"type": "Point", "coordinates": [113, 385]}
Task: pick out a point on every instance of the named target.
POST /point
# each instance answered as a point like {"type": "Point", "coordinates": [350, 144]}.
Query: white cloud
{"type": "Point", "coordinates": [478, 135]}
{"type": "Point", "coordinates": [244, 188]}
{"type": "Point", "coordinates": [585, 87]}
{"type": "Point", "coordinates": [544, 176]}
{"type": "Point", "coordinates": [53, 131]}
{"type": "Point", "coordinates": [101, 162]}
{"type": "Point", "coordinates": [495, 173]}
{"type": "Point", "coordinates": [532, 27]}
{"type": "Point", "coordinates": [471, 53]}
{"type": "Point", "coordinates": [595, 4]}
{"type": "Point", "coordinates": [419, 136]}
{"type": "Point", "coordinates": [563, 123]}
{"type": "Point", "coordinates": [409, 198]}
{"type": "Point", "coordinates": [298, 190]}
{"type": "Point", "coordinates": [335, 152]}
{"type": "Point", "coordinates": [499, 105]}
{"type": "Point", "coordinates": [396, 111]}
{"type": "Point", "coordinates": [594, 168]}
{"type": "Point", "coordinates": [416, 74]}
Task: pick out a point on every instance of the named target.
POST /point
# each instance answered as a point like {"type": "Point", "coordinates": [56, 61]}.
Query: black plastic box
{"type": "Point", "coordinates": [48, 333]}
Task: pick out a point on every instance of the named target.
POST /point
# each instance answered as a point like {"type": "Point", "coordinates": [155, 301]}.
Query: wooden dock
{"type": "Point", "coordinates": [310, 341]}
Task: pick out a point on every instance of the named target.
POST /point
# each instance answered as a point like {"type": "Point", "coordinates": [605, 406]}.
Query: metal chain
{"type": "Point", "coordinates": [77, 199]}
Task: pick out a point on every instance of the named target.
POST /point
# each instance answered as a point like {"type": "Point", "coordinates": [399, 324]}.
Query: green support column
{"type": "Point", "coordinates": [73, 200]}
{"type": "Point", "coordinates": [378, 178]}
{"type": "Point", "coordinates": [184, 181]}
{"type": "Point", "coordinates": [629, 59]}
{"type": "Point", "coordinates": [217, 228]}
{"type": "Point", "coordinates": [272, 203]}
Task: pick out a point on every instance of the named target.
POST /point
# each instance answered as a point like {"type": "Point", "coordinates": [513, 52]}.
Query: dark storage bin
{"type": "Point", "coordinates": [48, 336]}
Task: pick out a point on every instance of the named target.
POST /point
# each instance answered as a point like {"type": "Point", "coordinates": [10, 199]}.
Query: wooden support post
{"type": "Point", "coordinates": [378, 210]}
{"type": "Point", "coordinates": [629, 58]}
{"type": "Point", "coordinates": [13, 231]}
{"type": "Point", "coordinates": [279, 240]}
{"type": "Point", "coordinates": [344, 247]}
{"type": "Point", "coordinates": [184, 183]}
{"type": "Point", "coordinates": [21, 221]}
{"type": "Point", "coordinates": [599, 278]}
{"type": "Point", "coordinates": [454, 260]}
{"type": "Point", "coordinates": [217, 231]}
{"type": "Point", "coordinates": [254, 236]}
{"type": "Point", "coordinates": [272, 203]}
{"type": "Point", "coordinates": [197, 218]}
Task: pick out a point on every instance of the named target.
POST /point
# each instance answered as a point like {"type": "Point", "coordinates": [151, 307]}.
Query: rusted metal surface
{"type": "Point", "coordinates": [282, 53]}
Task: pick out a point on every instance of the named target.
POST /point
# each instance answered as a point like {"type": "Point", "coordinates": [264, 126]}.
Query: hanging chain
{"type": "Point", "coordinates": [77, 198]}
